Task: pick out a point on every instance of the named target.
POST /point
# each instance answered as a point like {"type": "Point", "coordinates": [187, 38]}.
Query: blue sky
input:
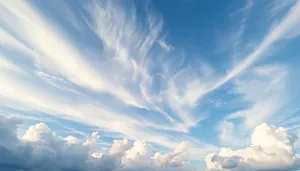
{"type": "Point", "coordinates": [206, 72]}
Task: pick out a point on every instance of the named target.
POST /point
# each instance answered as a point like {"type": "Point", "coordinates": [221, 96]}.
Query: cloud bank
{"type": "Point", "coordinates": [40, 149]}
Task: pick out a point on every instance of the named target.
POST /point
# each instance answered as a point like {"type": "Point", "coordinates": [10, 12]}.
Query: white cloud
{"type": "Point", "coordinates": [127, 46]}
{"type": "Point", "coordinates": [271, 81]}
{"type": "Point", "coordinates": [285, 26]}
{"type": "Point", "coordinates": [188, 91]}
{"type": "Point", "coordinates": [92, 138]}
{"type": "Point", "coordinates": [165, 46]}
{"type": "Point", "coordinates": [26, 95]}
{"type": "Point", "coordinates": [40, 149]}
{"type": "Point", "coordinates": [57, 51]}
{"type": "Point", "coordinates": [139, 151]}
{"type": "Point", "coordinates": [8, 65]}
{"type": "Point", "coordinates": [39, 132]}
{"type": "Point", "coordinates": [57, 58]}
{"type": "Point", "coordinates": [119, 147]}
{"type": "Point", "coordinates": [174, 158]}
{"type": "Point", "coordinates": [72, 140]}
{"type": "Point", "coordinates": [264, 88]}
{"type": "Point", "coordinates": [271, 149]}
{"type": "Point", "coordinates": [125, 71]}
{"type": "Point", "coordinates": [278, 5]}
{"type": "Point", "coordinates": [184, 90]}
{"type": "Point", "coordinates": [232, 135]}
{"type": "Point", "coordinates": [61, 68]}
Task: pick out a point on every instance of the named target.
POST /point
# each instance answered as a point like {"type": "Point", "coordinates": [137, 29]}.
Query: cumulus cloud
{"type": "Point", "coordinates": [271, 149]}
{"type": "Point", "coordinates": [119, 147]}
{"type": "Point", "coordinates": [39, 132]}
{"type": "Point", "coordinates": [92, 138]}
{"type": "Point", "coordinates": [40, 149]}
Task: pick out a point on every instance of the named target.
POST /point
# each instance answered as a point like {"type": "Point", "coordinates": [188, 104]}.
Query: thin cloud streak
{"type": "Point", "coordinates": [287, 24]}
{"type": "Point", "coordinates": [291, 20]}
{"type": "Point", "coordinates": [56, 48]}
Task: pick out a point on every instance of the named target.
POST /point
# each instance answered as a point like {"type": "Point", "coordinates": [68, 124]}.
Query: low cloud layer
{"type": "Point", "coordinates": [40, 149]}
{"type": "Point", "coordinates": [271, 149]}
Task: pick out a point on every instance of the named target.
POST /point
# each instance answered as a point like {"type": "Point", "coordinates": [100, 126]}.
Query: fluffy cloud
{"type": "Point", "coordinates": [119, 147]}
{"type": "Point", "coordinates": [39, 132]}
{"type": "Point", "coordinates": [40, 149]}
{"type": "Point", "coordinates": [271, 149]}
{"type": "Point", "coordinates": [92, 138]}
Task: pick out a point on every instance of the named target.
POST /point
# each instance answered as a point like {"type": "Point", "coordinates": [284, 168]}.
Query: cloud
{"type": "Point", "coordinates": [110, 85]}
{"type": "Point", "coordinates": [119, 147]}
{"type": "Point", "coordinates": [39, 132]}
{"type": "Point", "coordinates": [112, 70]}
{"type": "Point", "coordinates": [278, 5]}
{"type": "Point", "coordinates": [271, 80]}
{"type": "Point", "coordinates": [92, 138]}
{"type": "Point", "coordinates": [231, 134]}
{"type": "Point", "coordinates": [8, 65]}
{"type": "Point", "coordinates": [289, 22]}
{"type": "Point", "coordinates": [165, 46]}
{"type": "Point", "coordinates": [41, 149]}
{"type": "Point", "coordinates": [174, 158]}
{"type": "Point", "coordinates": [271, 149]}
{"type": "Point", "coordinates": [56, 58]}
{"type": "Point", "coordinates": [185, 89]}
{"type": "Point", "coordinates": [55, 51]}
{"type": "Point", "coordinates": [62, 104]}
{"type": "Point", "coordinates": [262, 106]}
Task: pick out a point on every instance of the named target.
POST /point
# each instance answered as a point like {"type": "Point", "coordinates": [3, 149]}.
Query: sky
{"type": "Point", "coordinates": [157, 85]}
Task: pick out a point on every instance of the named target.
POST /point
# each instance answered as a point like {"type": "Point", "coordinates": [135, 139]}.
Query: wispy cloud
{"type": "Point", "coordinates": [60, 69]}
{"type": "Point", "coordinates": [271, 82]}
{"type": "Point", "coordinates": [289, 21]}
{"type": "Point", "coordinates": [56, 48]}
{"type": "Point", "coordinates": [108, 65]}
{"type": "Point", "coordinates": [197, 90]}
{"type": "Point", "coordinates": [8, 65]}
